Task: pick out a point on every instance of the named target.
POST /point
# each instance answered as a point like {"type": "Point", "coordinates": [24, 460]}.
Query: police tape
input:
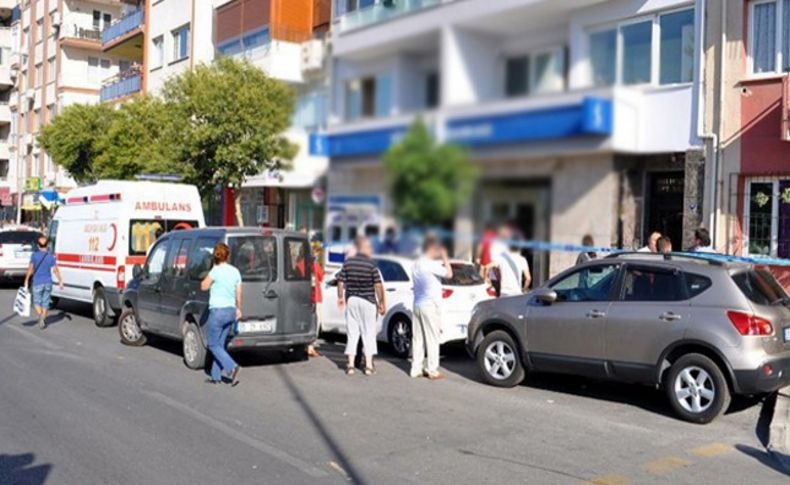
{"type": "Point", "coordinates": [548, 246]}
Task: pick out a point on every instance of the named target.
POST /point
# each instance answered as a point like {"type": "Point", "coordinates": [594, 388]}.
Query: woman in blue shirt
{"type": "Point", "coordinates": [224, 286]}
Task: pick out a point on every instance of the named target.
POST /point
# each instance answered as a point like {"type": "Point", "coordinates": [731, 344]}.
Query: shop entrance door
{"type": "Point", "coordinates": [665, 206]}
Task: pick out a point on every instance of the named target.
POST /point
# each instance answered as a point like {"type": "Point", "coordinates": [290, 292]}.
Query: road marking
{"type": "Point", "coordinates": [610, 480]}
{"type": "Point", "coordinates": [712, 450]}
{"type": "Point", "coordinates": [259, 445]}
{"type": "Point", "coordinates": [336, 466]}
{"type": "Point", "coordinates": [663, 466]}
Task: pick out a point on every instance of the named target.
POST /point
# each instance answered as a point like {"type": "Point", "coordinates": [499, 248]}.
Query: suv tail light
{"type": "Point", "coordinates": [120, 277]}
{"type": "Point", "coordinates": [748, 324]}
{"type": "Point", "coordinates": [491, 291]}
{"type": "Point", "coordinates": [447, 293]}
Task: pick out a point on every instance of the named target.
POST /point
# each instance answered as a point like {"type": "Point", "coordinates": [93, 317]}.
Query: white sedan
{"type": "Point", "coordinates": [460, 294]}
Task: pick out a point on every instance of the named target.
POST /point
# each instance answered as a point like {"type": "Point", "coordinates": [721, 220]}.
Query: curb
{"type": "Point", "coordinates": [779, 437]}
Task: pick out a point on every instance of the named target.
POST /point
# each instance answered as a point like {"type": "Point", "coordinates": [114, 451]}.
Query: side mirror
{"type": "Point", "coordinates": [137, 271]}
{"type": "Point", "coordinates": [545, 295]}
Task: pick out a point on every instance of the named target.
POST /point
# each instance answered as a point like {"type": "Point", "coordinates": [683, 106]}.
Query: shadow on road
{"type": "Point", "coordinates": [352, 474]}
{"type": "Point", "coordinates": [763, 456]}
{"type": "Point", "coordinates": [20, 470]}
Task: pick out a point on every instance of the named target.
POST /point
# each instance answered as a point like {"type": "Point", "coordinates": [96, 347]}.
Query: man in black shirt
{"type": "Point", "coordinates": [360, 292]}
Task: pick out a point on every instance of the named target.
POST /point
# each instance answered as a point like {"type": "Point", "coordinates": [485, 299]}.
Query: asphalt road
{"type": "Point", "coordinates": [77, 407]}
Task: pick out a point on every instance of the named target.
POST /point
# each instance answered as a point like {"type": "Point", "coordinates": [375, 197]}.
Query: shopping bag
{"type": "Point", "coordinates": [22, 302]}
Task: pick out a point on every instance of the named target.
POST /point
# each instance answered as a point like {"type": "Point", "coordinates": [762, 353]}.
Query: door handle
{"type": "Point", "coordinates": [270, 294]}
{"type": "Point", "coordinates": [596, 314]}
{"type": "Point", "coordinates": [670, 316]}
{"type": "Point", "coordinates": [391, 290]}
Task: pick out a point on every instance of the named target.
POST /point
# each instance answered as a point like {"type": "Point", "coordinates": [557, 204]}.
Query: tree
{"type": "Point", "coordinates": [138, 140]}
{"type": "Point", "coordinates": [428, 181]}
{"type": "Point", "coordinates": [72, 138]}
{"type": "Point", "coordinates": [229, 123]}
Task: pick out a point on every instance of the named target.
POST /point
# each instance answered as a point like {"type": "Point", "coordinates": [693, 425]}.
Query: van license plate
{"type": "Point", "coordinates": [787, 334]}
{"type": "Point", "coordinates": [257, 326]}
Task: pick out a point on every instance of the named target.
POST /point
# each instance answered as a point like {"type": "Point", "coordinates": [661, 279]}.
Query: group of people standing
{"type": "Point", "coordinates": [656, 243]}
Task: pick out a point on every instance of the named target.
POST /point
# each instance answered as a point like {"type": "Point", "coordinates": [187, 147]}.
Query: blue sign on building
{"type": "Point", "coordinates": [592, 117]}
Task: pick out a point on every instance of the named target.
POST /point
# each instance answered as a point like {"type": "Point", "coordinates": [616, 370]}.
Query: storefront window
{"type": "Point", "coordinates": [767, 218]}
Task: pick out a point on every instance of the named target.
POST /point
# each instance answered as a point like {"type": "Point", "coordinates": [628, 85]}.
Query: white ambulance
{"type": "Point", "coordinates": [101, 231]}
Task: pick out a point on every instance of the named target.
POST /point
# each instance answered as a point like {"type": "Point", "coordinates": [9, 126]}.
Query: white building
{"type": "Point", "coordinates": [7, 175]}
{"type": "Point", "coordinates": [579, 113]}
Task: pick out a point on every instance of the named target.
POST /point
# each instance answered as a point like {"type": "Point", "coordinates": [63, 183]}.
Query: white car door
{"type": "Point", "coordinates": [332, 318]}
{"type": "Point", "coordinates": [398, 290]}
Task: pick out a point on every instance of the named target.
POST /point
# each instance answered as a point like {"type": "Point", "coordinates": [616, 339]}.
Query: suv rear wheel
{"type": "Point", "coordinates": [129, 329]}
{"type": "Point", "coordinates": [399, 336]}
{"type": "Point", "coordinates": [499, 361]}
{"type": "Point", "coordinates": [697, 389]}
{"type": "Point", "coordinates": [193, 348]}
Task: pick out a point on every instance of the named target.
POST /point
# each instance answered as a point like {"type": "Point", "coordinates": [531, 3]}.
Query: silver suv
{"type": "Point", "coordinates": [700, 329]}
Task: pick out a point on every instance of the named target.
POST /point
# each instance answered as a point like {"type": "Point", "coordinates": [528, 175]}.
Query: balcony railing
{"type": "Point", "coordinates": [123, 26]}
{"type": "Point", "coordinates": [122, 85]}
{"type": "Point", "coordinates": [75, 31]}
{"type": "Point", "coordinates": [382, 11]}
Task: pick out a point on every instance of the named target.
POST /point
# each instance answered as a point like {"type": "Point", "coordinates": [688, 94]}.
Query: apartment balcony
{"type": "Point", "coordinates": [381, 11]}
{"type": "Point", "coordinates": [5, 113]}
{"type": "Point", "coordinates": [124, 37]}
{"type": "Point", "coordinates": [77, 36]}
{"type": "Point", "coordinates": [7, 77]}
{"type": "Point", "coordinates": [125, 84]}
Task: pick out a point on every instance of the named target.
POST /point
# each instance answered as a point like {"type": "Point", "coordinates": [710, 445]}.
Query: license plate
{"type": "Point", "coordinates": [22, 254]}
{"type": "Point", "coordinates": [787, 334]}
{"type": "Point", "coordinates": [256, 326]}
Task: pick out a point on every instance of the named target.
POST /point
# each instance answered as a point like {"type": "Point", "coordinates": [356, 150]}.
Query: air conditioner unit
{"type": "Point", "coordinates": [30, 95]}
{"type": "Point", "coordinates": [313, 54]}
{"type": "Point", "coordinates": [56, 20]}
{"type": "Point", "coordinates": [29, 139]}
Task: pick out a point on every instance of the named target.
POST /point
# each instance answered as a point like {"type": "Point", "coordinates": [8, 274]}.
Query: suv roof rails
{"type": "Point", "coordinates": [707, 258]}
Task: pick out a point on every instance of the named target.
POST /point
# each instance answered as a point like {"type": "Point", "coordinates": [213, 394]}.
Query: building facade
{"type": "Point", "coordinates": [8, 178]}
{"type": "Point", "coordinates": [288, 40]}
{"type": "Point", "coordinates": [580, 114]}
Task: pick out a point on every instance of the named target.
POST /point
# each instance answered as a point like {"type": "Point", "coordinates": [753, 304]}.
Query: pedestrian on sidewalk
{"type": "Point", "coordinates": [317, 296]}
{"type": "Point", "coordinates": [664, 245]}
{"type": "Point", "coordinates": [702, 243]}
{"type": "Point", "coordinates": [587, 241]}
{"type": "Point", "coordinates": [42, 265]}
{"type": "Point", "coordinates": [428, 269]}
{"type": "Point", "coordinates": [652, 243]}
{"type": "Point", "coordinates": [224, 286]}
{"type": "Point", "coordinates": [514, 273]}
{"type": "Point", "coordinates": [361, 293]}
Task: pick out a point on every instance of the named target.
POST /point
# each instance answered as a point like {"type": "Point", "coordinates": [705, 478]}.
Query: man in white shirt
{"type": "Point", "coordinates": [651, 243]}
{"type": "Point", "coordinates": [702, 241]}
{"type": "Point", "coordinates": [426, 329]}
{"type": "Point", "coordinates": [514, 273]}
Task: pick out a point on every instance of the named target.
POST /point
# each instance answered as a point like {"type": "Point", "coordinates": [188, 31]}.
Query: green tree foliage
{"type": "Point", "coordinates": [72, 138]}
{"type": "Point", "coordinates": [230, 118]}
{"type": "Point", "coordinates": [428, 181]}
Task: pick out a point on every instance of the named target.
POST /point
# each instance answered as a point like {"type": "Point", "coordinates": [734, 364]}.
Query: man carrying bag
{"type": "Point", "coordinates": [42, 265]}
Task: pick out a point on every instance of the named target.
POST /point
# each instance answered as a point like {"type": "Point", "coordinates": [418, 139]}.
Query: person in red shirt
{"type": "Point", "coordinates": [317, 295]}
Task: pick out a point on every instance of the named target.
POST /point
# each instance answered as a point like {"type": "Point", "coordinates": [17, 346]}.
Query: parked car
{"type": "Point", "coordinates": [698, 328]}
{"type": "Point", "coordinates": [164, 298]}
{"type": "Point", "coordinates": [103, 230]}
{"type": "Point", "coordinates": [460, 294]}
{"type": "Point", "coordinates": [16, 247]}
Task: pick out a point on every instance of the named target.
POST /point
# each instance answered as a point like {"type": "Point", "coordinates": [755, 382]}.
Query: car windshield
{"type": "Point", "coordinates": [463, 275]}
{"type": "Point", "coordinates": [18, 237]}
{"type": "Point", "coordinates": [760, 286]}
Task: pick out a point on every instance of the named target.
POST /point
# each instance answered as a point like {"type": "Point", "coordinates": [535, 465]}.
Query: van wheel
{"type": "Point", "coordinates": [297, 353]}
{"type": "Point", "coordinates": [129, 329]}
{"type": "Point", "coordinates": [499, 361]}
{"type": "Point", "coordinates": [399, 336]}
{"type": "Point", "coordinates": [697, 389]}
{"type": "Point", "coordinates": [103, 315]}
{"type": "Point", "coordinates": [194, 349]}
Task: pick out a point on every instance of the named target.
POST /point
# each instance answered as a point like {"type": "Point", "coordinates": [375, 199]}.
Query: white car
{"type": "Point", "coordinates": [460, 294]}
{"type": "Point", "coordinates": [16, 247]}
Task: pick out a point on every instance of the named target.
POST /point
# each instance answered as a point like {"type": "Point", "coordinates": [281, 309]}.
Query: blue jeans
{"type": "Point", "coordinates": [41, 295]}
{"type": "Point", "coordinates": [220, 321]}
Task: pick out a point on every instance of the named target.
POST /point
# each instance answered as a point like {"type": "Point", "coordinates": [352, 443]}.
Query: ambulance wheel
{"type": "Point", "coordinates": [103, 315]}
{"type": "Point", "coordinates": [53, 302]}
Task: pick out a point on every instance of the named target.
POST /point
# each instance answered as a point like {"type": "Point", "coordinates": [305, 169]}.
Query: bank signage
{"type": "Point", "coordinates": [591, 117]}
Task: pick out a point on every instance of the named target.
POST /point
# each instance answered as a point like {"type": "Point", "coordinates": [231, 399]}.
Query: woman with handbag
{"type": "Point", "coordinates": [42, 265]}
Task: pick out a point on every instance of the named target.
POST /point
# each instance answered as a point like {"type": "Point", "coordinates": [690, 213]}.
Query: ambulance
{"type": "Point", "coordinates": [100, 232]}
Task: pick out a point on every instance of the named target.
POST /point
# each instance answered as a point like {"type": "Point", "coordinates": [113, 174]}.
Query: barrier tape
{"type": "Point", "coordinates": [575, 248]}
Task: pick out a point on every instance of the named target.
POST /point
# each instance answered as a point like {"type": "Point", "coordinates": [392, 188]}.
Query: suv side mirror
{"type": "Point", "coordinates": [137, 271]}
{"type": "Point", "coordinates": [545, 295]}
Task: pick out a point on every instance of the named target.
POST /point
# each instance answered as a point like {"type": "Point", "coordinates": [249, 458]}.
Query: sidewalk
{"type": "Point", "coordinates": [779, 444]}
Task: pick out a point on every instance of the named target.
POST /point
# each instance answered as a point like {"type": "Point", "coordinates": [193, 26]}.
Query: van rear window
{"type": "Point", "coordinates": [254, 256]}
{"type": "Point", "coordinates": [144, 232]}
{"type": "Point", "coordinates": [760, 286]}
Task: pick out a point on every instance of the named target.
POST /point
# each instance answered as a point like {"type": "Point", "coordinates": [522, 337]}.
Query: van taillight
{"type": "Point", "coordinates": [120, 279]}
{"type": "Point", "coordinates": [447, 293]}
{"type": "Point", "coordinates": [748, 324]}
